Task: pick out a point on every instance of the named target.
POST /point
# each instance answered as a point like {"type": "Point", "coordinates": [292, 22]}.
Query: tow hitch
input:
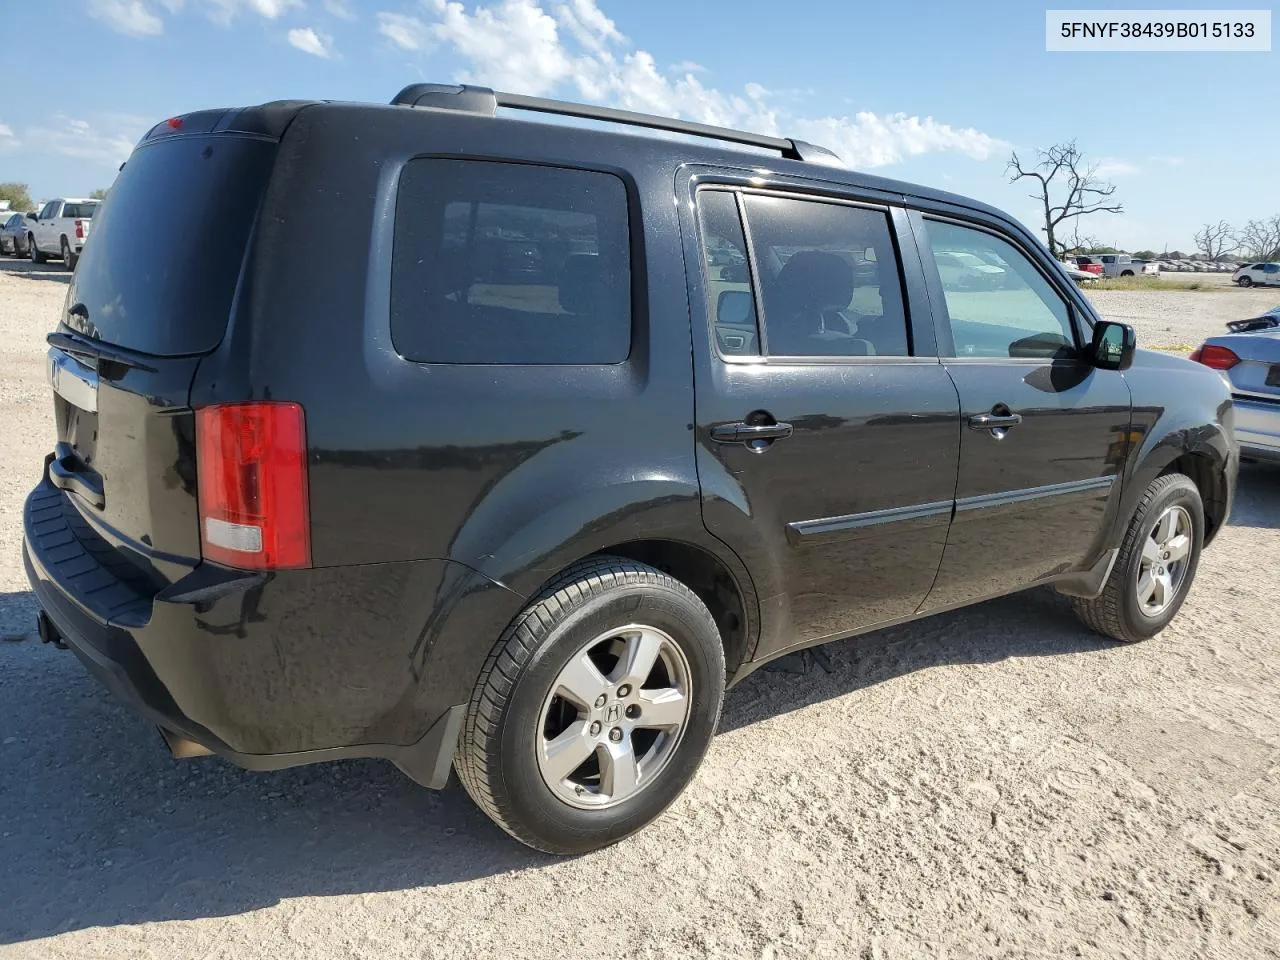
{"type": "Point", "coordinates": [48, 632]}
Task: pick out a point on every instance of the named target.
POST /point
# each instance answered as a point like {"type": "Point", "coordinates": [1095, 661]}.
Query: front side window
{"type": "Point", "coordinates": [48, 210]}
{"type": "Point", "coordinates": [998, 303]}
{"type": "Point", "coordinates": [510, 263]}
{"type": "Point", "coordinates": [829, 279]}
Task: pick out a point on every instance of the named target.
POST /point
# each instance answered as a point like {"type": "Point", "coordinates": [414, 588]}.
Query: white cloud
{"type": "Point", "coordinates": [1168, 161]}
{"type": "Point", "coordinates": [131, 17]}
{"type": "Point", "coordinates": [688, 66]}
{"type": "Point", "coordinates": [308, 41]}
{"type": "Point", "coordinates": [588, 24]}
{"type": "Point", "coordinates": [1114, 167]}
{"type": "Point", "coordinates": [8, 140]}
{"type": "Point", "coordinates": [224, 11]}
{"type": "Point", "coordinates": [339, 9]}
{"type": "Point", "coordinates": [518, 45]}
{"type": "Point", "coordinates": [512, 45]}
{"type": "Point", "coordinates": [108, 141]}
{"type": "Point", "coordinates": [407, 33]}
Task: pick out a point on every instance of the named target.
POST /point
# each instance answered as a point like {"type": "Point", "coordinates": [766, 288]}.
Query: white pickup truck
{"type": "Point", "coordinates": [1122, 265]}
{"type": "Point", "coordinates": [60, 230]}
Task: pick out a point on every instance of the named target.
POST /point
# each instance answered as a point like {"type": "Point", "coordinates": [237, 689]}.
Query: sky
{"type": "Point", "coordinates": [936, 93]}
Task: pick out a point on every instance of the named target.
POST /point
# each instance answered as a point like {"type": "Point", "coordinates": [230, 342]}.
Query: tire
{"type": "Point", "coordinates": [1119, 611]}
{"type": "Point", "coordinates": [33, 251]}
{"type": "Point", "coordinates": [516, 710]}
{"type": "Point", "coordinates": [1245, 281]}
{"type": "Point", "coordinates": [1126, 273]}
{"type": "Point", "coordinates": [68, 258]}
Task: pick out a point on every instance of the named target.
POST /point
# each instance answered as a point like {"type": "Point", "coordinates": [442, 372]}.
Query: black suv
{"type": "Point", "coordinates": [447, 437]}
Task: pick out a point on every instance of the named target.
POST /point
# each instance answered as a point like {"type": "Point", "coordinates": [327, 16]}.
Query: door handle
{"type": "Point", "coordinates": [746, 432]}
{"type": "Point", "coordinates": [993, 421]}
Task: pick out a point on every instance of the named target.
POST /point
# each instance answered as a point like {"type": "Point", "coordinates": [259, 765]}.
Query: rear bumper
{"type": "Point", "coordinates": [266, 671]}
{"type": "Point", "coordinates": [1257, 428]}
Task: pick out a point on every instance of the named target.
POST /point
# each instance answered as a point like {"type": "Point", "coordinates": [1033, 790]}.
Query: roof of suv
{"type": "Point", "coordinates": [808, 160]}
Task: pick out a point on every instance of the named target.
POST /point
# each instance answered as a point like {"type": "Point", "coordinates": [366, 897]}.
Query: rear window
{"type": "Point", "coordinates": [161, 265]}
{"type": "Point", "coordinates": [510, 263]}
{"type": "Point", "coordinates": [82, 211]}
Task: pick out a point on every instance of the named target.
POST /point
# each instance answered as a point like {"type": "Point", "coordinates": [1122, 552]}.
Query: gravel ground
{"type": "Point", "coordinates": [1183, 318]}
{"type": "Point", "coordinates": [995, 782]}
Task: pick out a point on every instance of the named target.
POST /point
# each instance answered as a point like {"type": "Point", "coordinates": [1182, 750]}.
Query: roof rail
{"type": "Point", "coordinates": [485, 102]}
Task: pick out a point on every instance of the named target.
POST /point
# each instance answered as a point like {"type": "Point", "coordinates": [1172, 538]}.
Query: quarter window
{"type": "Point", "coordinates": [726, 276]}
{"type": "Point", "coordinates": [998, 303]}
{"type": "Point", "coordinates": [510, 263]}
{"type": "Point", "coordinates": [828, 276]}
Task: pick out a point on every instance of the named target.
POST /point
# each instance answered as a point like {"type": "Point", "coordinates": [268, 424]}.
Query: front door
{"type": "Point", "coordinates": [1044, 432]}
{"type": "Point", "coordinates": [826, 432]}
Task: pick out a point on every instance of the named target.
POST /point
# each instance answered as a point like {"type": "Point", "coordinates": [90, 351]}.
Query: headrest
{"type": "Point", "coordinates": [813, 280]}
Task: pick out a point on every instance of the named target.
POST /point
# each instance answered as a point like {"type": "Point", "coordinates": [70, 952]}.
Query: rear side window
{"type": "Point", "coordinates": [161, 265]}
{"type": "Point", "coordinates": [83, 211]}
{"type": "Point", "coordinates": [510, 263]}
{"type": "Point", "coordinates": [829, 279]}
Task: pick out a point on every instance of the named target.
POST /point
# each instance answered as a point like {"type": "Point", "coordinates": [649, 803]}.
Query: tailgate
{"type": "Point", "coordinates": [125, 451]}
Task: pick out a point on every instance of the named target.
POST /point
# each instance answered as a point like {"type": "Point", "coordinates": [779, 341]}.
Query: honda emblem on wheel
{"type": "Point", "coordinates": [613, 712]}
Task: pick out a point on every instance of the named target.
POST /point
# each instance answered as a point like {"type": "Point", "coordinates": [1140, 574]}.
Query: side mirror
{"type": "Point", "coordinates": [1113, 345]}
{"type": "Point", "coordinates": [32, 216]}
{"type": "Point", "coordinates": [735, 307]}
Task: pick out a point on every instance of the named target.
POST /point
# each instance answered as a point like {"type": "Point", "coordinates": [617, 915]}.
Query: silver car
{"type": "Point", "coordinates": [1249, 358]}
{"type": "Point", "coordinates": [13, 234]}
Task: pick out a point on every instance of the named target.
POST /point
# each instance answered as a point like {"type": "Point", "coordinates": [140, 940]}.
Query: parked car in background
{"type": "Point", "coordinates": [1122, 265]}
{"type": "Point", "coordinates": [13, 235]}
{"type": "Point", "coordinates": [1258, 274]}
{"type": "Point", "coordinates": [1249, 358]}
{"type": "Point", "coordinates": [60, 230]}
{"type": "Point", "coordinates": [1089, 264]}
{"type": "Point", "coordinates": [1078, 275]}
{"type": "Point", "coordinates": [525, 486]}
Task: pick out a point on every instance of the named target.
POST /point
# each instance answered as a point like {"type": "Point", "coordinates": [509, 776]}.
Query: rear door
{"type": "Point", "coordinates": [1044, 432]}
{"type": "Point", "coordinates": [145, 303]}
{"type": "Point", "coordinates": [826, 429]}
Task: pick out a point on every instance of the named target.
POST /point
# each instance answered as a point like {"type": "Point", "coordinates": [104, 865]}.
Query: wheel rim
{"type": "Point", "coordinates": [31, 250]}
{"type": "Point", "coordinates": [1166, 554]}
{"type": "Point", "coordinates": [66, 255]}
{"type": "Point", "coordinates": [614, 717]}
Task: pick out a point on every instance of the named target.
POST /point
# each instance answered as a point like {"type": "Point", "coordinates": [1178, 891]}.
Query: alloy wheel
{"type": "Point", "coordinates": [1163, 566]}
{"type": "Point", "coordinates": [614, 717]}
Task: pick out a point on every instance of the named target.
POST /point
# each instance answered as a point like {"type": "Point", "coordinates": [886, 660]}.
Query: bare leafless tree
{"type": "Point", "coordinates": [1068, 188]}
{"type": "Point", "coordinates": [1215, 239]}
{"type": "Point", "coordinates": [1260, 239]}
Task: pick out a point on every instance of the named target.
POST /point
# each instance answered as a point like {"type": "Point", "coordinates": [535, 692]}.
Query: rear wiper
{"type": "Point", "coordinates": [93, 350]}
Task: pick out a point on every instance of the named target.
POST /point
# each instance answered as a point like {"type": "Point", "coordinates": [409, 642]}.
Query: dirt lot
{"type": "Point", "coordinates": [990, 783]}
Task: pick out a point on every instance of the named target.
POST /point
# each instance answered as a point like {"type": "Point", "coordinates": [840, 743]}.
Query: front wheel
{"type": "Point", "coordinates": [1245, 281]}
{"type": "Point", "coordinates": [1156, 564]}
{"type": "Point", "coordinates": [68, 258]}
{"type": "Point", "coordinates": [595, 708]}
{"type": "Point", "coordinates": [34, 251]}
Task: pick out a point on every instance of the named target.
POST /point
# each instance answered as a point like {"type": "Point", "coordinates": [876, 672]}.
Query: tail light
{"type": "Point", "coordinates": [79, 229]}
{"type": "Point", "coordinates": [1212, 355]}
{"type": "Point", "coordinates": [251, 467]}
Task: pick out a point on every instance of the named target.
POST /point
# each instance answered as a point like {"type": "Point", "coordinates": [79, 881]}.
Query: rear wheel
{"type": "Point", "coordinates": [1126, 273]}
{"type": "Point", "coordinates": [595, 708]}
{"type": "Point", "coordinates": [1156, 564]}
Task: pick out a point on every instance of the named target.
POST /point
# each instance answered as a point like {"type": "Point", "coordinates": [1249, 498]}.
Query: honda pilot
{"type": "Point", "coordinates": [566, 432]}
